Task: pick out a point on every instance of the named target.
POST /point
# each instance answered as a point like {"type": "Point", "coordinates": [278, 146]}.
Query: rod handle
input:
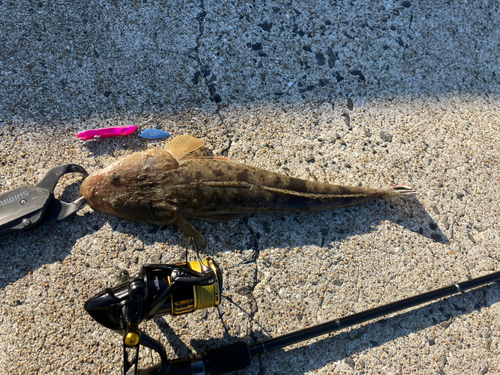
{"type": "Point", "coordinates": [213, 362]}
{"type": "Point", "coordinates": [228, 358]}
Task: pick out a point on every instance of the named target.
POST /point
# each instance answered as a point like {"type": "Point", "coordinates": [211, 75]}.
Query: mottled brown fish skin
{"type": "Point", "coordinates": [153, 187]}
{"type": "Point", "coordinates": [132, 189]}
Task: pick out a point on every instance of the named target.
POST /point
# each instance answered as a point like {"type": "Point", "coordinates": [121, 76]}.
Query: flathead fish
{"type": "Point", "coordinates": [164, 186]}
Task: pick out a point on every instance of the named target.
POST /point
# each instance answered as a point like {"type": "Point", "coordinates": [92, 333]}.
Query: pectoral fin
{"type": "Point", "coordinates": [183, 145]}
{"type": "Point", "coordinates": [190, 231]}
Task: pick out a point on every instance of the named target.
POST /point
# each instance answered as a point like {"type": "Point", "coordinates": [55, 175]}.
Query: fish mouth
{"type": "Point", "coordinates": [88, 190]}
{"type": "Point", "coordinates": [87, 187]}
{"type": "Point", "coordinates": [85, 190]}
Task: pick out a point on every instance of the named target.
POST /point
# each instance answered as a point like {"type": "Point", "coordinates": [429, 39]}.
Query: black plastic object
{"type": "Point", "coordinates": [28, 206]}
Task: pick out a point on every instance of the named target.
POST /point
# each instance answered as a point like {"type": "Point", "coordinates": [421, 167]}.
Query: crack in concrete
{"type": "Point", "coordinates": [254, 244]}
{"type": "Point", "coordinates": [203, 69]}
{"type": "Point", "coordinates": [225, 150]}
{"type": "Point", "coordinates": [247, 291]}
{"type": "Point", "coordinates": [200, 17]}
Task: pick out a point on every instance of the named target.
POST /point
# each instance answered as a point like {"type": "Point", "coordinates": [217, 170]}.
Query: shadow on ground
{"type": "Point", "coordinates": [53, 241]}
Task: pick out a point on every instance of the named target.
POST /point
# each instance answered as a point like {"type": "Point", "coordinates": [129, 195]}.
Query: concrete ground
{"type": "Point", "coordinates": [368, 93]}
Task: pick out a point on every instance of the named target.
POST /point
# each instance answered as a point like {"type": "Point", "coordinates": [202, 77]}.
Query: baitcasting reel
{"type": "Point", "coordinates": [160, 289]}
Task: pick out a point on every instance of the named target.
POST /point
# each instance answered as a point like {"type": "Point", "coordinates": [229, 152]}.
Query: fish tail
{"type": "Point", "coordinates": [400, 190]}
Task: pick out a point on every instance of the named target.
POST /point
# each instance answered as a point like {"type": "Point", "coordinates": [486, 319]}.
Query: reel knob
{"type": "Point", "coordinates": [137, 290]}
{"type": "Point", "coordinates": [131, 339]}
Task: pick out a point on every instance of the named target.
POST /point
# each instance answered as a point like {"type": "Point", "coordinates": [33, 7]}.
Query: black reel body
{"type": "Point", "coordinates": [160, 289]}
{"type": "Point", "coordinates": [154, 280]}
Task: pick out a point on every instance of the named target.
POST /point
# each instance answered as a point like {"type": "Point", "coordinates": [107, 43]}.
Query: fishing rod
{"type": "Point", "coordinates": [184, 287]}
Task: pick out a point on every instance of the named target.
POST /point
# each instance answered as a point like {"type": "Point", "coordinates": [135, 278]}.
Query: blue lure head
{"type": "Point", "coordinates": [153, 134]}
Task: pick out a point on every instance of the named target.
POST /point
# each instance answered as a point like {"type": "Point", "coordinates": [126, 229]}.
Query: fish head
{"type": "Point", "coordinates": [124, 187]}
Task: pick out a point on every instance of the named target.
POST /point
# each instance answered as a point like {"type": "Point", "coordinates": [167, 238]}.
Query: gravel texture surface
{"type": "Point", "coordinates": [361, 93]}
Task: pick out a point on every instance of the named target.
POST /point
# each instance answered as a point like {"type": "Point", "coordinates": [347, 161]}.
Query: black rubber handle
{"type": "Point", "coordinates": [228, 358]}
{"type": "Point", "coordinates": [214, 362]}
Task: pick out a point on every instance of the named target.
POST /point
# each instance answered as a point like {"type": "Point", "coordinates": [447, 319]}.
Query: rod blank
{"type": "Point", "coordinates": [348, 321]}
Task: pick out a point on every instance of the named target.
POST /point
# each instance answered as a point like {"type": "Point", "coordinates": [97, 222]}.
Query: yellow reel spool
{"type": "Point", "coordinates": [196, 297]}
{"type": "Point", "coordinates": [206, 296]}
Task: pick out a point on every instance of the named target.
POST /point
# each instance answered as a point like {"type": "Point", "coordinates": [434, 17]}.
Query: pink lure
{"type": "Point", "coordinates": [117, 131]}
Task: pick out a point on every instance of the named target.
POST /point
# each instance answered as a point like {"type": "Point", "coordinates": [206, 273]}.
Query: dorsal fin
{"type": "Point", "coordinates": [183, 145]}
